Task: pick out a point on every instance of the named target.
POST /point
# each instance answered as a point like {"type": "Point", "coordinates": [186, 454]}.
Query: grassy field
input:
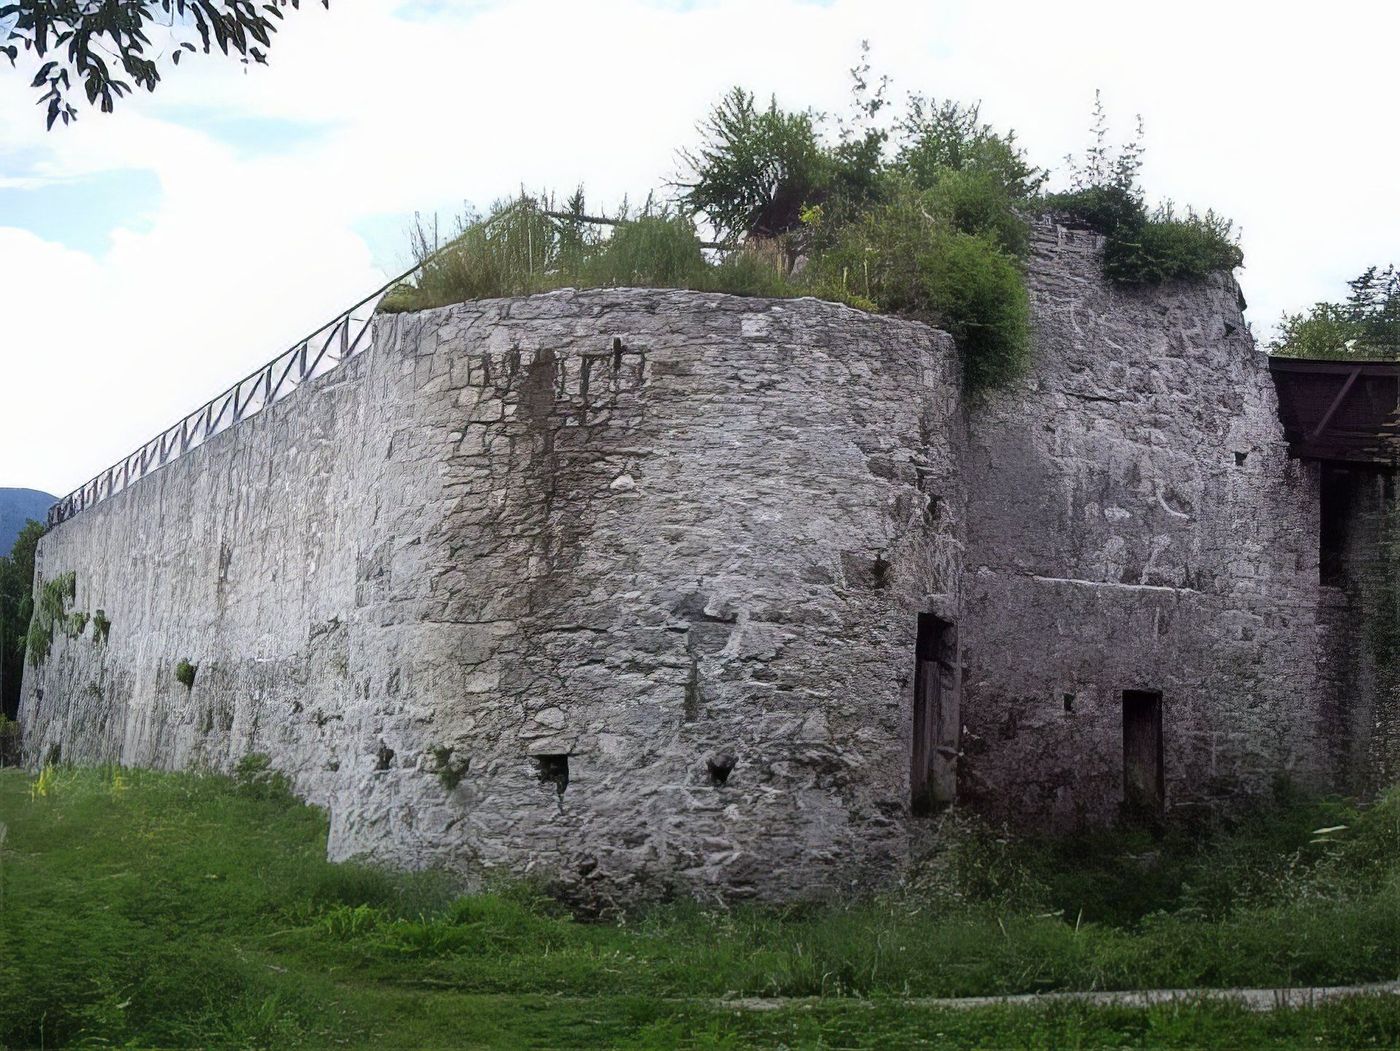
{"type": "Point", "coordinates": [144, 909]}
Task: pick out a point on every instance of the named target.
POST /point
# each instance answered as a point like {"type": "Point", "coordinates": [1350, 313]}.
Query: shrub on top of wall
{"type": "Point", "coordinates": [1170, 247]}
{"type": "Point", "coordinates": [1102, 208]}
{"type": "Point", "coordinates": [655, 250]}
{"type": "Point", "coordinates": [1141, 247]}
{"type": "Point", "coordinates": [925, 215]}
{"type": "Point", "coordinates": [976, 203]}
{"type": "Point", "coordinates": [1148, 249]}
{"type": "Point", "coordinates": [904, 262]}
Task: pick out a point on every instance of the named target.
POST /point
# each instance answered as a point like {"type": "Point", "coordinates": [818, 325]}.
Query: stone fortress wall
{"type": "Point", "coordinates": [609, 536]}
{"type": "Point", "coordinates": [644, 591]}
{"type": "Point", "coordinates": [1135, 523]}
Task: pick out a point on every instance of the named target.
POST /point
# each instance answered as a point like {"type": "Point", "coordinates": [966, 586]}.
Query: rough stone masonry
{"type": "Point", "coordinates": [649, 592]}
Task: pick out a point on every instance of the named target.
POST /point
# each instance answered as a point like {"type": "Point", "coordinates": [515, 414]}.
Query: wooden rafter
{"type": "Point", "coordinates": [1356, 421]}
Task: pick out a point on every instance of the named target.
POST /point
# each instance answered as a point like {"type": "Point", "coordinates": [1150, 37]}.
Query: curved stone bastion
{"type": "Point", "coordinates": [646, 591]}
{"type": "Point", "coordinates": [615, 587]}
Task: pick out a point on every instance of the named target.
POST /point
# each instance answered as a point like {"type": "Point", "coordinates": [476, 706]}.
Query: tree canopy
{"type": "Point", "coordinates": [105, 48]}
{"type": "Point", "coordinates": [1366, 326]}
{"type": "Point", "coordinates": [16, 608]}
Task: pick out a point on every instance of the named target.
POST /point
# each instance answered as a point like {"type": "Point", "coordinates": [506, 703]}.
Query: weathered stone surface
{"type": "Point", "coordinates": [621, 588]}
{"type": "Point", "coordinates": [1134, 523]}
{"type": "Point", "coordinates": [635, 529]}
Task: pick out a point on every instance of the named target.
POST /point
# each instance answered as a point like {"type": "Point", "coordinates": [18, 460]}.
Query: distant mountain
{"type": "Point", "coordinates": [18, 506]}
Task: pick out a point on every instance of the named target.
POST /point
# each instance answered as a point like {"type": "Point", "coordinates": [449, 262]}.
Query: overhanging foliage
{"type": "Point", "coordinates": [76, 41]}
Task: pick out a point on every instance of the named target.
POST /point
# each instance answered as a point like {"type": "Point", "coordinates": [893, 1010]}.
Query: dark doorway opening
{"type": "Point", "coordinates": [1144, 780]}
{"type": "Point", "coordinates": [1334, 510]}
{"type": "Point", "coordinates": [937, 718]}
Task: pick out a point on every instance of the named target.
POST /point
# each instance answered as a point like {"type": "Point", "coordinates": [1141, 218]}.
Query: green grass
{"type": "Point", "coordinates": [185, 673]}
{"type": "Point", "coordinates": [938, 255]}
{"type": "Point", "coordinates": [523, 247]}
{"type": "Point", "coordinates": [161, 909]}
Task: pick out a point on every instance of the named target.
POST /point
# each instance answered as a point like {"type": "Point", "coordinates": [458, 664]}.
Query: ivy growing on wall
{"type": "Point", "coordinates": [50, 610]}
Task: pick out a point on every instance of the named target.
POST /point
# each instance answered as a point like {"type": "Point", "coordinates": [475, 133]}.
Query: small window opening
{"type": "Point", "coordinates": [1144, 781]}
{"type": "Point", "coordinates": [1069, 703]}
{"type": "Point", "coordinates": [554, 770]}
{"type": "Point", "coordinates": [719, 767]}
{"type": "Point", "coordinates": [1240, 458]}
{"type": "Point", "coordinates": [880, 568]}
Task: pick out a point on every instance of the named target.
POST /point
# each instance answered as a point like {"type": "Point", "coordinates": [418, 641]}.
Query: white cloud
{"type": "Point", "coordinates": [1269, 119]}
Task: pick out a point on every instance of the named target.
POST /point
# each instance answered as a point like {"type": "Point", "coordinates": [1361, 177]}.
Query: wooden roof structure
{"type": "Point", "coordinates": [1341, 411]}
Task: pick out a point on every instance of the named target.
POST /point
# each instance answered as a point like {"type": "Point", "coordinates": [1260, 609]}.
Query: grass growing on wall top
{"type": "Point", "coordinates": [519, 249]}
{"type": "Point", "coordinates": [184, 910]}
{"type": "Point", "coordinates": [920, 210]}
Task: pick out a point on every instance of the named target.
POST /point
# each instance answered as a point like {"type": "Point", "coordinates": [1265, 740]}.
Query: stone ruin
{"type": "Point", "coordinates": [646, 592]}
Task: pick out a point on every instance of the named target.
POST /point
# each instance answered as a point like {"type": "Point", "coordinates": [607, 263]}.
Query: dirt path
{"type": "Point", "coordinates": [1253, 999]}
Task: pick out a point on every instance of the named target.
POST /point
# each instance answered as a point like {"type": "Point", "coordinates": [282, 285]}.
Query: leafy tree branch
{"type": "Point", "coordinates": [105, 49]}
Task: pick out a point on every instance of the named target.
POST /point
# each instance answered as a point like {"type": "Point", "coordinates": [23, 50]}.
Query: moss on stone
{"type": "Point", "coordinates": [448, 772]}
{"type": "Point", "coordinates": [185, 673]}
{"type": "Point", "coordinates": [75, 623]}
{"type": "Point", "coordinates": [50, 609]}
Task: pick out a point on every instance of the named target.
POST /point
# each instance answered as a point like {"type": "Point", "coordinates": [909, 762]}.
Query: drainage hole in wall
{"type": "Point", "coordinates": [1240, 459]}
{"type": "Point", "coordinates": [719, 767]}
{"type": "Point", "coordinates": [554, 770]}
{"type": "Point", "coordinates": [1069, 702]}
{"type": "Point", "coordinates": [383, 757]}
{"type": "Point", "coordinates": [880, 570]}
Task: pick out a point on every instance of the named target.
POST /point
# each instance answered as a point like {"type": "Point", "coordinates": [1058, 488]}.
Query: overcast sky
{"type": "Point", "coordinates": [150, 258]}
